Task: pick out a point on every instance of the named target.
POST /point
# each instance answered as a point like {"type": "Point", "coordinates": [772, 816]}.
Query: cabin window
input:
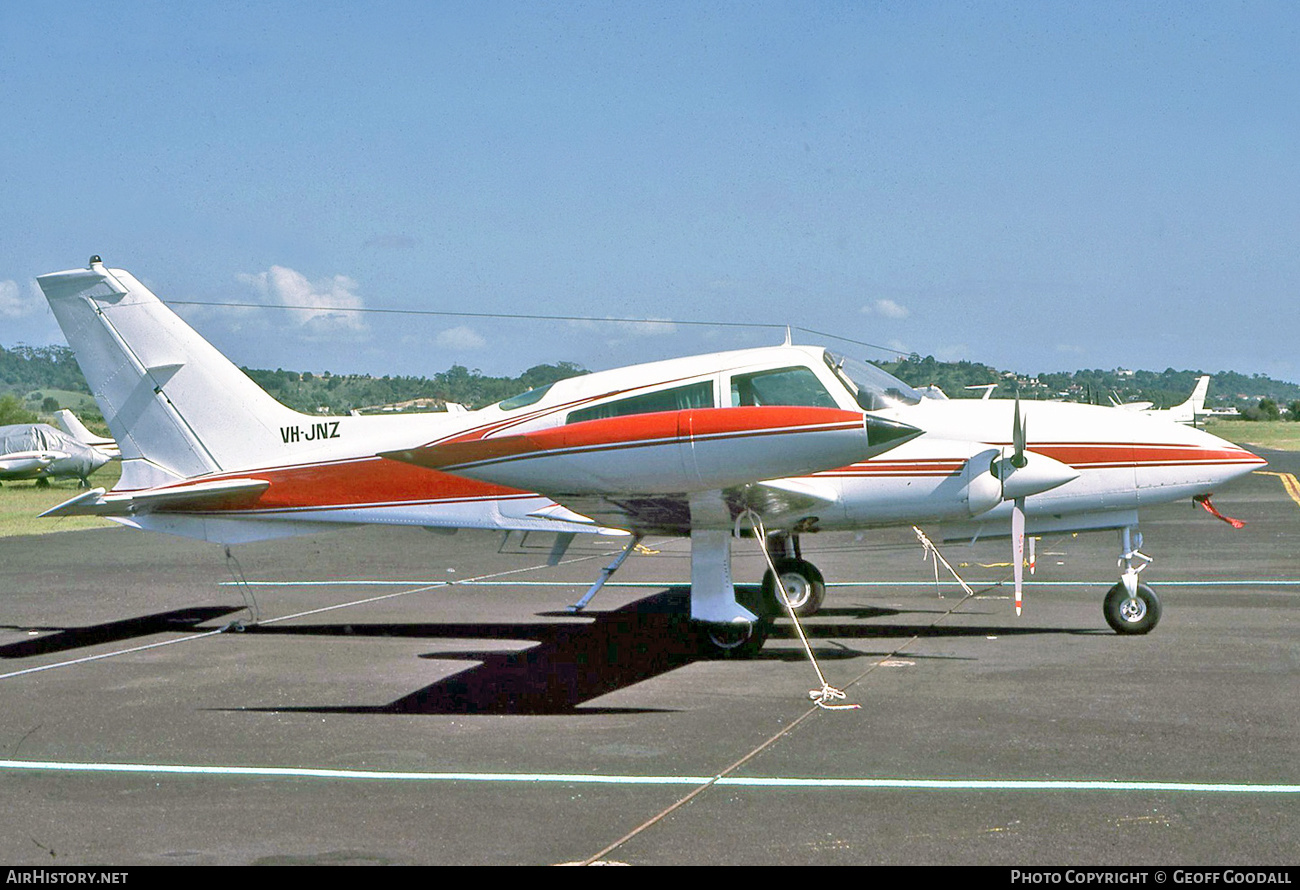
{"type": "Point", "coordinates": [783, 386]}
{"type": "Point", "coordinates": [681, 398]}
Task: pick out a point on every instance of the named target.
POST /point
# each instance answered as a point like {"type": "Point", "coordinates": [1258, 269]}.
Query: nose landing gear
{"type": "Point", "coordinates": [1130, 607]}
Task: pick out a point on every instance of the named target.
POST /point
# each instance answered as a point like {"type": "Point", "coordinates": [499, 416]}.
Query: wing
{"type": "Point", "coordinates": [638, 472]}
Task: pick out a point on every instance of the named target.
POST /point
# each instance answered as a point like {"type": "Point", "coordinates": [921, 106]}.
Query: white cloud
{"type": "Point", "coordinates": [12, 304]}
{"type": "Point", "coordinates": [313, 301]}
{"type": "Point", "coordinates": [635, 327]}
{"type": "Point", "coordinates": [460, 339]}
{"type": "Point", "coordinates": [886, 308]}
{"type": "Point", "coordinates": [648, 327]}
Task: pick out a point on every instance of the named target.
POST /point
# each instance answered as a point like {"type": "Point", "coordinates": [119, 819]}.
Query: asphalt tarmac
{"type": "Point", "coordinates": [416, 698]}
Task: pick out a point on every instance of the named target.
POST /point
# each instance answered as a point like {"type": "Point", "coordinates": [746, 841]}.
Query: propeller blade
{"type": "Point", "coordinates": [1019, 436]}
{"type": "Point", "coordinates": [1018, 549]}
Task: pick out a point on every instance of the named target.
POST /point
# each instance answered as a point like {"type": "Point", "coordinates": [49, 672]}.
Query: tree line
{"type": "Point", "coordinates": [28, 373]}
{"type": "Point", "coordinates": [1256, 397]}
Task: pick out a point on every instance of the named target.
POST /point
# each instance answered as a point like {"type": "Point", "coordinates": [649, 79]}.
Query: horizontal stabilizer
{"type": "Point", "coordinates": [172, 497]}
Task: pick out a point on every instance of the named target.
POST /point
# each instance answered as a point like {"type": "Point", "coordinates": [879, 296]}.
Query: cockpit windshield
{"type": "Point", "coordinates": [871, 387]}
{"type": "Point", "coordinates": [530, 397]}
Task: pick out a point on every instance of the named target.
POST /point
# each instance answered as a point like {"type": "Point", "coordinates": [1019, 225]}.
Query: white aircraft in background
{"type": "Point", "coordinates": [694, 446]}
{"type": "Point", "coordinates": [39, 451]}
{"type": "Point", "coordinates": [1189, 412]}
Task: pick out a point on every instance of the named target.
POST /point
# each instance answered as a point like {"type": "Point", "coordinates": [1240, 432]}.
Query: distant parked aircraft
{"type": "Point", "coordinates": [1189, 412]}
{"type": "Point", "coordinates": [39, 451]}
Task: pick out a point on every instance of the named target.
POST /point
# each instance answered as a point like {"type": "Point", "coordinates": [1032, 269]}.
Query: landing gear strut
{"type": "Point", "coordinates": [1130, 607]}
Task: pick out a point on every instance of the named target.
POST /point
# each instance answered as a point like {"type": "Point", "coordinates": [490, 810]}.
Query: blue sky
{"type": "Point", "coordinates": [1039, 186]}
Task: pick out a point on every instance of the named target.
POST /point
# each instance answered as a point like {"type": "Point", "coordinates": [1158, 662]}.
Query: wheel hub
{"type": "Point", "coordinates": [1133, 610]}
{"type": "Point", "coordinates": [797, 589]}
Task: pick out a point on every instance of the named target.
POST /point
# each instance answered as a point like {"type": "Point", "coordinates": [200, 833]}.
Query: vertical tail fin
{"type": "Point", "coordinates": [177, 407]}
{"type": "Point", "coordinates": [72, 425]}
{"type": "Point", "coordinates": [1197, 400]}
{"type": "Point", "coordinates": [1192, 410]}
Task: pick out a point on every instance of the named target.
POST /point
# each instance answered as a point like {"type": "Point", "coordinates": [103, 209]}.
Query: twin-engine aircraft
{"type": "Point", "coordinates": [794, 439]}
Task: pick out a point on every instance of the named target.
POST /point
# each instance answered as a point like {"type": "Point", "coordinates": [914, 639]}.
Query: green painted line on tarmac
{"type": "Point", "coordinates": [683, 583]}
{"type": "Point", "coordinates": [769, 782]}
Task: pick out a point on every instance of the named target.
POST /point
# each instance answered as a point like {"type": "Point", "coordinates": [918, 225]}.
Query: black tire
{"type": "Point", "coordinates": [803, 584]}
{"type": "Point", "coordinates": [1132, 616]}
{"type": "Point", "coordinates": [742, 639]}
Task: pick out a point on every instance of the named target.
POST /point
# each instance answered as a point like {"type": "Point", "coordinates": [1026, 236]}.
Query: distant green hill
{"type": "Point", "coordinates": [340, 393]}
{"type": "Point", "coordinates": [46, 378]}
{"type": "Point", "coordinates": [1162, 388]}
{"type": "Point", "coordinates": [25, 368]}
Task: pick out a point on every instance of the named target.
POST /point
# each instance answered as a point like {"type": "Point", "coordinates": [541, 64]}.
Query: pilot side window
{"type": "Point", "coordinates": [695, 395]}
{"type": "Point", "coordinates": [784, 386]}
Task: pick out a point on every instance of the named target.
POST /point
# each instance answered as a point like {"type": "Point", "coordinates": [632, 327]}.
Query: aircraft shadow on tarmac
{"type": "Point", "coordinates": [574, 662]}
{"type": "Point", "coordinates": [63, 639]}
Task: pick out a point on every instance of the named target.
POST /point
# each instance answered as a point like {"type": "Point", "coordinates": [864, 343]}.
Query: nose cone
{"type": "Point", "coordinates": [98, 459]}
{"type": "Point", "coordinates": [1228, 461]}
{"type": "Point", "coordinates": [1174, 461]}
{"type": "Point", "coordinates": [884, 435]}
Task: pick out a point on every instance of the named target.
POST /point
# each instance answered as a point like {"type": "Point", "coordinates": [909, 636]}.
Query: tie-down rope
{"type": "Point", "coordinates": [931, 552]}
{"type": "Point", "coordinates": [828, 693]}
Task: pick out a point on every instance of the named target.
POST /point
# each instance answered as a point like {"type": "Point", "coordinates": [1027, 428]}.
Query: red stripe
{"type": "Point", "coordinates": [637, 429]}
{"type": "Point", "coordinates": [517, 419]}
{"type": "Point", "coordinates": [371, 481]}
{"type": "Point", "coordinates": [1096, 455]}
{"type": "Point", "coordinates": [367, 481]}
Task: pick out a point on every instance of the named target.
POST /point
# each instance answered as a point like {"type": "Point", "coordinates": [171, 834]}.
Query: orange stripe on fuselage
{"type": "Point", "coordinates": [636, 430]}
{"type": "Point", "coordinates": [1096, 455]}
{"type": "Point", "coordinates": [892, 468]}
{"type": "Point", "coordinates": [364, 481]}
{"type": "Point", "coordinates": [371, 481]}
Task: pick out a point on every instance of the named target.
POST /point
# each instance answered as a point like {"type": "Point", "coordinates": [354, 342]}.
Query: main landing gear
{"type": "Point", "coordinates": [1130, 607]}
{"type": "Point", "coordinates": [740, 639]}
{"type": "Point", "coordinates": [796, 580]}
{"type": "Point", "coordinates": [799, 580]}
